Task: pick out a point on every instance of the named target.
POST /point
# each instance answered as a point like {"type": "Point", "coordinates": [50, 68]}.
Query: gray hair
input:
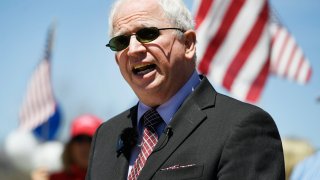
{"type": "Point", "coordinates": [175, 10]}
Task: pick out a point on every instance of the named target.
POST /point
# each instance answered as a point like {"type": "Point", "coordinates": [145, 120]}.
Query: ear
{"type": "Point", "coordinates": [116, 58]}
{"type": "Point", "coordinates": [190, 43]}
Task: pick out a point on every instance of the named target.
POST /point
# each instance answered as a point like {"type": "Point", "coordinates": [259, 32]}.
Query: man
{"type": "Point", "coordinates": [181, 127]}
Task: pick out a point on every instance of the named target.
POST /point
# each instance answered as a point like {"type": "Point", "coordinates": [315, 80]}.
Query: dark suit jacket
{"type": "Point", "coordinates": [213, 137]}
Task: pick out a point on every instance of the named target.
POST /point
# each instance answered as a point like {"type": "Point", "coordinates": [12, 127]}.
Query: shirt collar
{"type": "Point", "coordinates": [168, 109]}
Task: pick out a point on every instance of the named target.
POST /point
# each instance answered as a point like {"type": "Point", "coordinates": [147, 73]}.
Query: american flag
{"type": "Point", "coordinates": [236, 46]}
{"type": "Point", "coordinates": [39, 103]}
{"type": "Point", "coordinates": [287, 58]}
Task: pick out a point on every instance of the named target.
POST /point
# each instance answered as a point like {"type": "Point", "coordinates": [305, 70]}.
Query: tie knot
{"type": "Point", "coordinates": [152, 119]}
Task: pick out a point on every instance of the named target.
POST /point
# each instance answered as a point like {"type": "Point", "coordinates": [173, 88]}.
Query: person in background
{"type": "Point", "coordinates": [308, 169]}
{"type": "Point", "coordinates": [76, 151]}
{"type": "Point", "coordinates": [181, 128]}
{"type": "Point", "coordinates": [295, 150]}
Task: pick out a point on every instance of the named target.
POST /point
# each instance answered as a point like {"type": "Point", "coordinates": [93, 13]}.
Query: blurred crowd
{"type": "Point", "coordinates": [61, 161]}
{"type": "Point", "coordinates": [76, 152]}
{"type": "Point", "coordinates": [302, 160]}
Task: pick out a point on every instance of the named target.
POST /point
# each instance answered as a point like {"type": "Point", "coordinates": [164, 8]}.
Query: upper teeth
{"type": "Point", "coordinates": [141, 65]}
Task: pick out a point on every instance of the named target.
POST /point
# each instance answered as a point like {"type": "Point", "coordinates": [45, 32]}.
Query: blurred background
{"type": "Point", "coordinates": [86, 79]}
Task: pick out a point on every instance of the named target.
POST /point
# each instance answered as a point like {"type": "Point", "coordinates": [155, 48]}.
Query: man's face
{"type": "Point", "coordinates": [154, 70]}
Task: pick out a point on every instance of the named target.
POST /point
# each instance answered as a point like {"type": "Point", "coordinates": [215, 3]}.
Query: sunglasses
{"type": "Point", "coordinates": [144, 35]}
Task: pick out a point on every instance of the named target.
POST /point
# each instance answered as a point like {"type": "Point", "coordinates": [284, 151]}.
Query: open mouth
{"type": "Point", "coordinates": [143, 69]}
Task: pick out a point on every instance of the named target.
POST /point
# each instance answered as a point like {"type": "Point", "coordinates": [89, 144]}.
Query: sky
{"type": "Point", "coordinates": [86, 78]}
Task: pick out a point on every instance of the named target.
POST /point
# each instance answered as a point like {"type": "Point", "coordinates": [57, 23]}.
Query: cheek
{"type": "Point", "coordinates": [118, 59]}
{"type": "Point", "coordinates": [123, 65]}
{"type": "Point", "coordinates": [170, 49]}
{"type": "Point", "coordinates": [122, 62]}
{"type": "Point", "coordinates": [173, 55]}
{"type": "Point", "coordinates": [81, 150]}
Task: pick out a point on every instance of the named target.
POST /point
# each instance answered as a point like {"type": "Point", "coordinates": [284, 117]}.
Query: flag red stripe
{"type": "Point", "coordinates": [203, 11]}
{"type": "Point", "coordinates": [218, 39]}
{"type": "Point", "coordinates": [247, 48]}
{"type": "Point", "coordinates": [259, 83]}
{"type": "Point", "coordinates": [308, 75]}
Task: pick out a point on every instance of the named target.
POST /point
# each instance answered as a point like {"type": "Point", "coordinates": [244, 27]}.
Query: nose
{"type": "Point", "coordinates": [135, 47]}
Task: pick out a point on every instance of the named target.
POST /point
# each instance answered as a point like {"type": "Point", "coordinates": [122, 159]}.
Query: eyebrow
{"type": "Point", "coordinates": [120, 32]}
{"type": "Point", "coordinates": [144, 25]}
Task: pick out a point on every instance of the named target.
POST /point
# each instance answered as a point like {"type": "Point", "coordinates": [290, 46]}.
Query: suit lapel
{"type": "Point", "coordinates": [121, 168]}
{"type": "Point", "coordinates": [186, 119]}
{"type": "Point", "coordinates": [122, 163]}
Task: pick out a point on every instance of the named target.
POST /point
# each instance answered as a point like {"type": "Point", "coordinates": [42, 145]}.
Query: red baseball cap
{"type": "Point", "coordinates": [85, 125]}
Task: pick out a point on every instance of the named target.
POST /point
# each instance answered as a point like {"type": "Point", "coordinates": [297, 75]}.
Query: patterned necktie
{"type": "Point", "coordinates": [149, 140]}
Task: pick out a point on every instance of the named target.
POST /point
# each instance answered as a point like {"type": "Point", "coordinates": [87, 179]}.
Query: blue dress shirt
{"type": "Point", "coordinates": [166, 111]}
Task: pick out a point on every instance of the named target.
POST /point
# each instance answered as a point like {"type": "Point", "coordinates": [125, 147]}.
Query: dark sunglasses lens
{"type": "Point", "coordinates": [119, 43]}
{"type": "Point", "coordinates": [146, 35]}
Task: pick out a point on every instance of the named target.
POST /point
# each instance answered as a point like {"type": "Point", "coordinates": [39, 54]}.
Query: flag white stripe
{"type": "Point", "coordinates": [243, 82]}
{"type": "Point", "coordinates": [285, 56]}
{"type": "Point", "coordinates": [210, 25]}
{"type": "Point", "coordinates": [195, 6]}
{"type": "Point", "coordinates": [39, 105]}
{"type": "Point", "coordinates": [294, 65]}
{"type": "Point", "coordinates": [279, 40]}
{"type": "Point", "coordinates": [302, 77]}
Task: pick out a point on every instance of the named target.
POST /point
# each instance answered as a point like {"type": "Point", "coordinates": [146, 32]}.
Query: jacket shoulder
{"type": "Point", "coordinates": [238, 108]}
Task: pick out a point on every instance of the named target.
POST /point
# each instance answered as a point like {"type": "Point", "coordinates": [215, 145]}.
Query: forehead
{"type": "Point", "coordinates": [133, 14]}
